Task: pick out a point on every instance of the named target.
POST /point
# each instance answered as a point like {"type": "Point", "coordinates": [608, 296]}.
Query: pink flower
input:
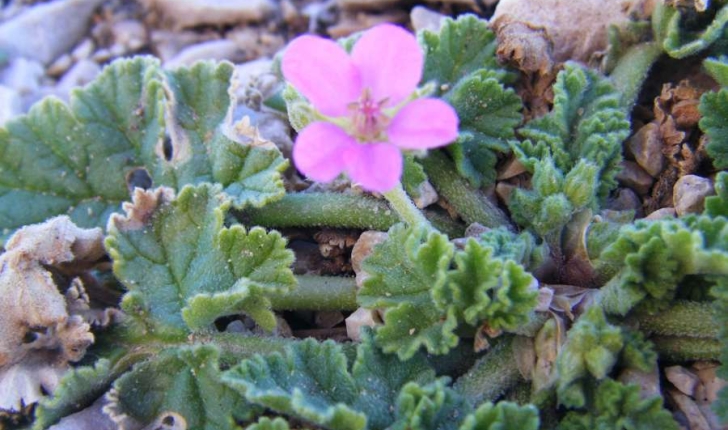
{"type": "Point", "coordinates": [367, 111]}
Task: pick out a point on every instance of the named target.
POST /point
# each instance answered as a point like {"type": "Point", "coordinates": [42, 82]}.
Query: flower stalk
{"type": "Point", "coordinates": [403, 205]}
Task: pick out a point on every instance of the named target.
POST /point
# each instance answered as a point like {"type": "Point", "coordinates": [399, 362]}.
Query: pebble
{"type": "Point", "coordinates": [79, 75]}
{"type": "Point", "coordinates": [683, 379]}
{"type": "Point", "coordinates": [362, 248]}
{"type": "Point", "coordinates": [59, 67]}
{"type": "Point", "coordinates": [130, 34]}
{"type": "Point", "coordinates": [214, 50]}
{"type": "Point", "coordinates": [662, 213]}
{"type": "Point", "coordinates": [55, 27]}
{"type": "Point", "coordinates": [635, 177]}
{"type": "Point", "coordinates": [10, 104]}
{"type": "Point", "coordinates": [426, 19]}
{"type": "Point", "coordinates": [689, 194]}
{"type": "Point", "coordinates": [23, 75]}
{"type": "Point", "coordinates": [625, 200]}
{"type": "Point", "coordinates": [83, 50]}
{"type": "Point", "coordinates": [366, 4]}
{"type": "Point", "coordinates": [695, 418]}
{"type": "Point", "coordinates": [192, 13]}
{"type": "Point", "coordinates": [646, 147]}
{"type": "Point", "coordinates": [91, 418]}
{"type": "Point", "coordinates": [649, 382]}
{"type": "Point", "coordinates": [360, 318]}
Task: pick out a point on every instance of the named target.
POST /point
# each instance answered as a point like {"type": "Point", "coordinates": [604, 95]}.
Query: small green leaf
{"type": "Point", "coordinates": [433, 406]}
{"type": "Point", "coordinates": [300, 112]}
{"type": "Point", "coordinates": [718, 205]}
{"type": "Point", "coordinates": [268, 424]}
{"type": "Point", "coordinates": [620, 407]}
{"type": "Point", "coordinates": [680, 43]}
{"type": "Point", "coordinates": [718, 69]}
{"type": "Point", "coordinates": [185, 381]}
{"type": "Point", "coordinates": [460, 48]}
{"type": "Point", "coordinates": [591, 350]}
{"type": "Point", "coordinates": [413, 177]}
{"type": "Point", "coordinates": [183, 269]}
{"type": "Point", "coordinates": [714, 111]}
{"type": "Point", "coordinates": [521, 248]}
{"type": "Point", "coordinates": [502, 416]}
{"type": "Point", "coordinates": [482, 288]}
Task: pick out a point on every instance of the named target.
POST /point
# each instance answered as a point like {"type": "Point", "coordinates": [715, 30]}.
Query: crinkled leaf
{"type": "Point", "coordinates": [432, 406]}
{"type": "Point", "coordinates": [680, 42]}
{"type": "Point", "coordinates": [183, 269]}
{"type": "Point", "coordinates": [638, 353]}
{"type": "Point", "coordinates": [80, 159]}
{"type": "Point", "coordinates": [718, 205]}
{"type": "Point", "coordinates": [489, 115]}
{"type": "Point", "coordinates": [502, 416]}
{"type": "Point", "coordinates": [403, 270]}
{"type": "Point", "coordinates": [78, 389]}
{"type": "Point", "coordinates": [519, 247]}
{"type": "Point", "coordinates": [656, 256]}
{"type": "Point", "coordinates": [591, 350]}
{"type": "Point", "coordinates": [714, 122]}
{"type": "Point", "coordinates": [413, 177]}
{"type": "Point", "coordinates": [268, 424]}
{"type": "Point", "coordinates": [718, 69]}
{"type": "Point", "coordinates": [185, 381]}
{"type": "Point", "coordinates": [620, 407]}
{"type": "Point", "coordinates": [483, 288]}
{"type": "Point", "coordinates": [459, 48]}
{"type": "Point", "coordinates": [586, 123]}
{"type": "Point", "coordinates": [720, 314]}
{"type": "Point", "coordinates": [311, 382]}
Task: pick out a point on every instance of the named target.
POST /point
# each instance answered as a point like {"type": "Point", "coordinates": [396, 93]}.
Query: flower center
{"type": "Point", "coordinates": [368, 119]}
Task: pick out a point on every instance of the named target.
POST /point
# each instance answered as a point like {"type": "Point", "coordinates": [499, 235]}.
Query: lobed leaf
{"type": "Point", "coordinates": [183, 269]}
{"type": "Point", "coordinates": [714, 111]}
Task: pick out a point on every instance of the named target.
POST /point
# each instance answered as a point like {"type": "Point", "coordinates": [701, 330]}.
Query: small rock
{"type": "Point", "coordinates": [360, 318]}
{"type": "Point", "coordinates": [80, 74]}
{"type": "Point", "coordinates": [362, 248]}
{"type": "Point", "coordinates": [476, 230]}
{"type": "Point", "coordinates": [91, 418]}
{"type": "Point", "coordinates": [166, 44]}
{"type": "Point", "coordinates": [130, 34]}
{"type": "Point", "coordinates": [60, 66]}
{"type": "Point", "coordinates": [511, 168]}
{"type": "Point", "coordinates": [626, 200]}
{"type": "Point", "coordinates": [328, 319]}
{"type": "Point", "coordinates": [192, 13]}
{"type": "Point", "coordinates": [635, 177]}
{"type": "Point", "coordinates": [687, 406]}
{"type": "Point", "coordinates": [366, 4]}
{"type": "Point", "coordinates": [503, 190]}
{"type": "Point", "coordinates": [711, 383]}
{"type": "Point", "coordinates": [255, 42]}
{"type": "Point", "coordinates": [351, 22]}
{"type": "Point", "coordinates": [102, 55]}
{"type": "Point", "coordinates": [47, 30]}
{"type": "Point", "coordinates": [426, 19]}
{"type": "Point", "coordinates": [649, 382]}
{"type": "Point", "coordinates": [23, 76]}
{"type": "Point", "coordinates": [426, 195]}
{"type": "Point", "coordinates": [236, 326]}
{"type": "Point", "coordinates": [646, 147]}
{"type": "Point", "coordinates": [10, 104]}
{"type": "Point", "coordinates": [83, 50]}
{"type": "Point", "coordinates": [683, 379]}
{"type": "Point", "coordinates": [689, 194]}
{"type": "Point", "coordinates": [662, 213]}
{"type": "Point", "coordinates": [214, 50]}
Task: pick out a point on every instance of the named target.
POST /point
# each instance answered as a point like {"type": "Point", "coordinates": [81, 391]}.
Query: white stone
{"type": "Point", "coordinates": [361, 318]}
{"type": "Point", "coordinates": [683, 379]}
{"type": "Point", "coordinates": [426, 19]}
{"type": "Point", "coordinates": [23, 76]}
{"type": "Point", "coordinates": [83, 50]}
{"type": "Point", "coordinates": [10, 104]}
{"type": "Point", "coordinates": [689, 194]}
{"type": "Point", "coordinates": [79, 75]}
{"type": "Point", "coordinates": [213, 50]}
{"type": "Point", "coordinates": [59, 67]}
{"type": "Point", "coordinates": [130, 34]}
{"type": "Point", "coordinates": [48, 30]}
{"type": "Point", "coordinates": [191, 13]}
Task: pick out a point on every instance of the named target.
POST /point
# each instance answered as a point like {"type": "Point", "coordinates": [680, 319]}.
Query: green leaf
{"type": "Point", "coordinates": [720, 314]}
{"type": "Point", "coordinates": [186, 381]}
{"type": "Point", "coordinates": [78, 389]}
{"type": "Point", "coordinates": [311, 382]}
{"type": "Point", "coordinates": [591, 350]}
{"type": "Point", "coordinates": [656, 256]}
{"type": "Point", "coordinates": [483, 288]}
{"type": "Point", "coordinates": [402, 272]}
{"type": "Point", "coordinates": [718, 69]}
{"type": "Point", "coordinates": [502, 416]}
{"type": "Point", "coordinates": [268, 424]}
{"type": "Point", "coordinates": [183, 269]}
{"type": "Point", "coordinates": [489, 115]}
{"type": "Point", "coordinates": [433, 406]}
{"type": "Point", "coordinates": [714, 111]}
{"type": "Point", "coordinates": [413, 177]}
{"type": "Point", "coordinates": [638, 353]}
{"type": "Point", "coordinates": [718, 205]}
{"type": "Point", "coordinates": [521, 248]}
{"type": "Point", "coordinates": [587, 123]}
{"type": "Point", "coordinates": [461, 47]}
{"type": "Point", "coordinates": [134, 119]}
{"type": "Point", "coordinates": [681, 43]}
{"type": "Point", "coordinates": [620, 407]}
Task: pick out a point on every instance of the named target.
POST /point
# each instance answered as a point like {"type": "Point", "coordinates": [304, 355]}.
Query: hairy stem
{"type": "Point", "coordinates": [683, 318]}
{"type": "Point", "coordinates": [632, 69]}
{"type": "Point", "coordinates": [335, 210]}
{"type": "Point", "coordinates": [681, 349]}
{"type": "Point", "coordinates": [403, 205]}
{"type": "Point", "coordinates": [472, 205]}
{"type": "Point", "coordinates": [492, 375]}
{"type": "Point", "coordinates": [319, 293]}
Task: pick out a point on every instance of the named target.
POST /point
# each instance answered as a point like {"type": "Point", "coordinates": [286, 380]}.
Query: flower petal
{"type": "Point", "coordinates": [319, 149]}
{"type": "Point", "coordinates": [390, 62]}
{"type": "Point", "coordinates": [375, 166]}
{"type": "Point", "coordinates": [321, 70]}
{"type": "Point", "coordinates": [423, 124]}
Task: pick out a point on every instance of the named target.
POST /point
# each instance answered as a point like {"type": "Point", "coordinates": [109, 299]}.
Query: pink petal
{"type": "Point", "coordinates": [375, 166]}
{"type": "Point", "coordinates": [323, 72]}
{"type": "Point", "coordinates": [390, 62]}
{"type": "Point", "coordinates": [318, 152]}
{"type": "Point", "coordinates": [423, 124]}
